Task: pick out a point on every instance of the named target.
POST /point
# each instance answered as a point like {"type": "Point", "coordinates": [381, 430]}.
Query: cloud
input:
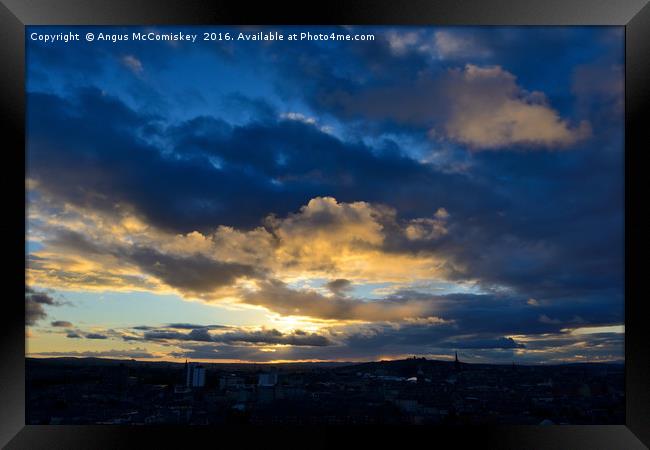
{"type": "Point", "coordinates": [401, 42]}
{"type": "Point", "coordinates": [133, 64]}
{"type": "Point", "coordinates": [338, 286]}
{"type": "Point", "coordinates": [374, 341]}
{"type": "Point", "coordinates": [80, 334]}
{"type": "Point", "coordinates": [120, 354]}
{"type": "Point", "coordinates": [299, 117]}
{"type": "Point", "coordinates": [199, 334]}
{"type": "Point", "coordinates": [143, 267]}
{"type": "Point", "coordinates": [324, 228]}
{"type": "Point", "coordinates": [216, 167]}
{"type": "Point", "coordinates": [276, 296]}
{"type": "Point", "coordinates": [349, 240]}
{"type": "Point", "coordinates": [502, 342]}
{"type": "Point", "coordinates": [325, 237]}
{"type": "Point", "coordinates": [543, 318]}
{"type": "Point", "coordinates": [490, 111]}
{"type": "Point", "coordinates": [358, 242]}
{"type": "Point", "coordinates": [398, 83]}
{"type": "Point", "coordinates": [61, 323]}
{"type": "Point", "coordinates": [437, 45]}
{"type": "Point", "coordinates": [242, 336]}
{"type": "Point", "coordinates": [495, 327]}
{"type": "Point", "coordinates": [33, 313]}
{"type": "Point", "coordinates": [457, 45]}
{"type": "Point", "coordinates": [191, 326]}
{"type": "Point", "coordinates": [295, 338]}
{"type": "Point", "coordinates": [191, 274]}
{"type": "Point", "coordinates": [34, 305]}
{"type": "Point", "coordinates": [96, 336]}
{"type": "Point", "coordinates": [480, 107]}
{"type": "Point", "coordinates": [428, 229]}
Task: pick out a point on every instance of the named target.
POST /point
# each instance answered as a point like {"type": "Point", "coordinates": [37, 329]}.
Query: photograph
{"type": "Point", "coordinates": [353, 225]}
{"type": "Point", "coordinates": [325, 225]}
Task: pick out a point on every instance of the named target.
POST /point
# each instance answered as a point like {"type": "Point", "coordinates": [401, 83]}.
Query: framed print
{"type": "Point", "coordinates": [372, 224]}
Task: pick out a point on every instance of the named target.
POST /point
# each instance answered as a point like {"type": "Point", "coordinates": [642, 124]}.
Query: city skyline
{"type": "Point", "coordinates": [433, 190]}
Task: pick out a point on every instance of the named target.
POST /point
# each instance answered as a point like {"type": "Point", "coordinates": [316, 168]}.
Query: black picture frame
{"type": "Point", "coordinates": [634, 15]}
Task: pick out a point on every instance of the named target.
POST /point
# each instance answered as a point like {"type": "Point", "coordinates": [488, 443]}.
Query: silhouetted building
{"type": "Point", "coordinates": [420, 375]}
{"type": "Point", "coordinates": [194, 375]}
{"type": "Point", "coordinates": [267, 379]}
{"type": "Point", "coordinates": [68, 392]}
{"type": "Point", "coordinates": [231, 381]}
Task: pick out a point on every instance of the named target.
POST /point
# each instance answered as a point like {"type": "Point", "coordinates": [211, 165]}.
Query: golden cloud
{"type": "Point", "coordinates": [92, 250]}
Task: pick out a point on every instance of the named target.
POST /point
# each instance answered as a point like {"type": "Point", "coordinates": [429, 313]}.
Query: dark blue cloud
{"type": "Point", "coordinates": [95, 151]}
{"type": "Point", "coordinates": [35, 302]}
{"type": "Point", "coordinates": [96, 336]}
{"type": "Point", "coordinates": [502, 342]}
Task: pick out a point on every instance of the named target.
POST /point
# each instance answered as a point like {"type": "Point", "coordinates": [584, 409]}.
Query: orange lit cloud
{"type": "Point", "coordinates": [88, 250]}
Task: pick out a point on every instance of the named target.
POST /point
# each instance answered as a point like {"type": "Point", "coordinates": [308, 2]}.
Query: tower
{"type": "Point", "coordinates": [457, 363]}
{"type": "Point", "coordinates": [420, 374]}
{"type": "Point", "coordinates": [194, 375]}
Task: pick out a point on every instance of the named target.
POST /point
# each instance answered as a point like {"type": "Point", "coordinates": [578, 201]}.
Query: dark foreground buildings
{"type": "Point", "coordinates": [412, 391]}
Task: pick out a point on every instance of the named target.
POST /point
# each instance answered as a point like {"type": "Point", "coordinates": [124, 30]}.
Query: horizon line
{"type": "Point", "coordinates": [147, 360]}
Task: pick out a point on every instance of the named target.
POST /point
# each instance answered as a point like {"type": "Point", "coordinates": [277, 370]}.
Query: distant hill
{"type": "Point", "coordinates": [401, 367]}
{"type": "Point", "coordinates": [93, 361]}
{"type": "Point", "coordinates": [409, 367]}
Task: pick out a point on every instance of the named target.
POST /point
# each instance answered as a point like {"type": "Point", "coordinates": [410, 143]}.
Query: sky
{"type": "Point", "coordinates": [427, 191]}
